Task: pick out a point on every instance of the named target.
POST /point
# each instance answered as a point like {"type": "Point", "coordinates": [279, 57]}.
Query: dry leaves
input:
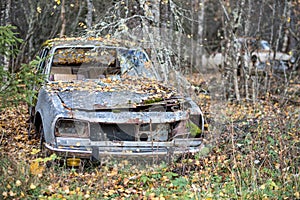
{"type": "Point", "coordinates": [261, 138]}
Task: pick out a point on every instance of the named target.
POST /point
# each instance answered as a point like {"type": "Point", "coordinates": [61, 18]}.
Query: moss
{"type": "Point", "coordinates": [153, 100]}
{"type": "Point", "coordinates": [193, 128]}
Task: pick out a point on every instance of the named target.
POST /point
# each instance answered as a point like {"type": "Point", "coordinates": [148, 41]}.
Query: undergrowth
{"type": "Point", "coordinates": [255, 155]}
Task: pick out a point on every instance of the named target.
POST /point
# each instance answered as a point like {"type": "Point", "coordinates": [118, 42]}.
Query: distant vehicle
{"type": "Point", "coordinates": [258, 53]}
{"type": "Point", "coordinates": [102, 97]}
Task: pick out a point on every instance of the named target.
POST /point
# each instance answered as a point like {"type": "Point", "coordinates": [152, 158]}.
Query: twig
{"type": "Point", "coordinates": [1, 137]}
{"type": "Point", "coordinates": [235, 164]}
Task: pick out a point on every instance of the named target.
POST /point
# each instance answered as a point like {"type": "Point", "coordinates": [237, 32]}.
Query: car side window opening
{"type": "Point", "coordinates": [43, 54]}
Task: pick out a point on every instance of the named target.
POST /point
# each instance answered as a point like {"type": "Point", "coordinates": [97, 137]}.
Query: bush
{"type": "Point", "coordinates": [8, 41]}
{"type": "Point", "coordinates": [16, 87]}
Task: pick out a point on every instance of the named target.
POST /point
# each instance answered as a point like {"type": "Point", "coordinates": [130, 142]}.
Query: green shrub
{"type": "Point", "coordinates": [9, 41]}
{"type": "Point", "coordinates": [20, 86]}
{"type": "Point", "coordinates": [16, 87]}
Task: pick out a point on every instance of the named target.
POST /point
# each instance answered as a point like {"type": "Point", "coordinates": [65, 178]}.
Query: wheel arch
{"type": "Point", "coordinates": [37, 121]}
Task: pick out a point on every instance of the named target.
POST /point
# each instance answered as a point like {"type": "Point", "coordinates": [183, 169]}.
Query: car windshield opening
{"type": "Point", "coordinates": [99, 62]}
{"type": "Point", "coordinates": [264, 45]}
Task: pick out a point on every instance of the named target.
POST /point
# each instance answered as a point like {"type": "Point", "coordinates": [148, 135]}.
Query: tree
{"type": "Point", "coordinates": [89, 15]}
{"type": "Point", "coordinates": [63, 19]}
{"type": "Point", "coordinates": [5, 16]}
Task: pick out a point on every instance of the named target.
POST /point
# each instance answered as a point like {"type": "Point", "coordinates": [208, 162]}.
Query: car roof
{"type": "Point", "coordinates": [90, 41]}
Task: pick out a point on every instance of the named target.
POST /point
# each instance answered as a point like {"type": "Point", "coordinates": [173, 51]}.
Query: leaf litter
{"type": "Point", "coordinates": [256, 155]}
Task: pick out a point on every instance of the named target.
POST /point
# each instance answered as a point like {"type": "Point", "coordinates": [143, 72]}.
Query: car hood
{"type": "Point", "coordinates": [111, 93]}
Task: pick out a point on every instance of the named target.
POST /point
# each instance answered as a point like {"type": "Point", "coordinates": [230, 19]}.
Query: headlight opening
{"type": "Point", "coordinates": [72, 128]}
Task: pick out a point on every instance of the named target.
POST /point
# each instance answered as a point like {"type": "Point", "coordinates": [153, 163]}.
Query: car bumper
{"type": "Point", "coordinates": [101, 149]}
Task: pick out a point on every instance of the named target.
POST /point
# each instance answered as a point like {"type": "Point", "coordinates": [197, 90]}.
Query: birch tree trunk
{"type": "Point", "coordinates": [2, 23]}
{"type": "Point", "coordinates": [7, 22]}
{"type": "Point", "coordinates": [234, 51]}
{"type": "Point", "coordinates": [247, 64]}
{"type": "Point", "coordinates": [292, 29]}
{"type": "Point", "coordinates": [200, 52]}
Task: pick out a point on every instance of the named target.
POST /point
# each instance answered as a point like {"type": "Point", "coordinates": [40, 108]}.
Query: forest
{"type": "Point", "coordinates": [237, 59]}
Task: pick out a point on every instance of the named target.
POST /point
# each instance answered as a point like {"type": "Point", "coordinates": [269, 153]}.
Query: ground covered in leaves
{"type": "Point", "coordinates": [251, 152]}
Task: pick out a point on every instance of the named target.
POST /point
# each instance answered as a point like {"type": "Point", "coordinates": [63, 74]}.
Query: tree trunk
{"type": "Point", "coordinates": [247, 63]}
{"type": "Point", "coordinates": [234, 50]}
{"type": "Point", "coordinates": [75, 22]}
{"type": "Point", "coordinates": [260, 17]}
{"type": "Point", "coordinates": [200, 34]}
{"type": "Point", "coordinates": [89, 15]}
{"type": "Point", "coordinates": [63, 19]}
{"type": "Point", "coordinates": [268, 69]}
{"type": "Point", "coordinates": [7, 22]}
{"type": "Point", "coordinates": [2, 23]}
{"type": "Point", "coordinates": [286, 31]}
{"type": "Point", "coordinates": [27, 42]}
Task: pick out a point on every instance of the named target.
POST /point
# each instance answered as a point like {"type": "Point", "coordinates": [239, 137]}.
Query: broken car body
{"type": "Point", "coordinates": [101, 98]}
{"type": "Point", "coordinates": [257, 53]}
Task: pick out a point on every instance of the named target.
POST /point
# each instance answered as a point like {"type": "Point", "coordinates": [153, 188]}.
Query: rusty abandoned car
{"type": "Point", "coordinates": [100, 99]}
{"type": "Point", "coordinates": [257, 53]}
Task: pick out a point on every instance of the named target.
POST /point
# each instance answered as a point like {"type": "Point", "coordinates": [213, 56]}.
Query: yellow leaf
{"type": "Point", "coordinates": [121, 190]}
{"type": "Point", "coordinates": [11, 193]}
{"type": "Point", "coordinates": [111, 192]}
{"type": "Point", "coordinates": [57, 1]}
{"type": "Point", "coordinates": [126, 180]}
{"type": "Point", "coordinates": [34, 151]}
{"type": "Point", "coordinates": [39, 10]}
{"type": "Point", "coordinates": [32, 186]}
{"type": "Point", "coordinates": [274, 186]}
{"type": "Point", "coordinates": [113, 172]}
{"type": "Point", "coordinates": [18, 183]}
{"type": "Point", "coordinates": [66, 189]}
{"type": "Point", "coordinates": [297, 195]}
{"type": "Point", "coordinates": [72, 192]}
{"type": "Point", "coordinates": [127, 191]}
{"type": "Point", "coordinates": [4, 194]}
{"type": "Point", "coordinates": [36, 168]}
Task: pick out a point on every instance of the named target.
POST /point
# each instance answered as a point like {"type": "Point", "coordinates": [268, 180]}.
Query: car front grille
{"type": "Point", "coordinates": [130, 132]}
